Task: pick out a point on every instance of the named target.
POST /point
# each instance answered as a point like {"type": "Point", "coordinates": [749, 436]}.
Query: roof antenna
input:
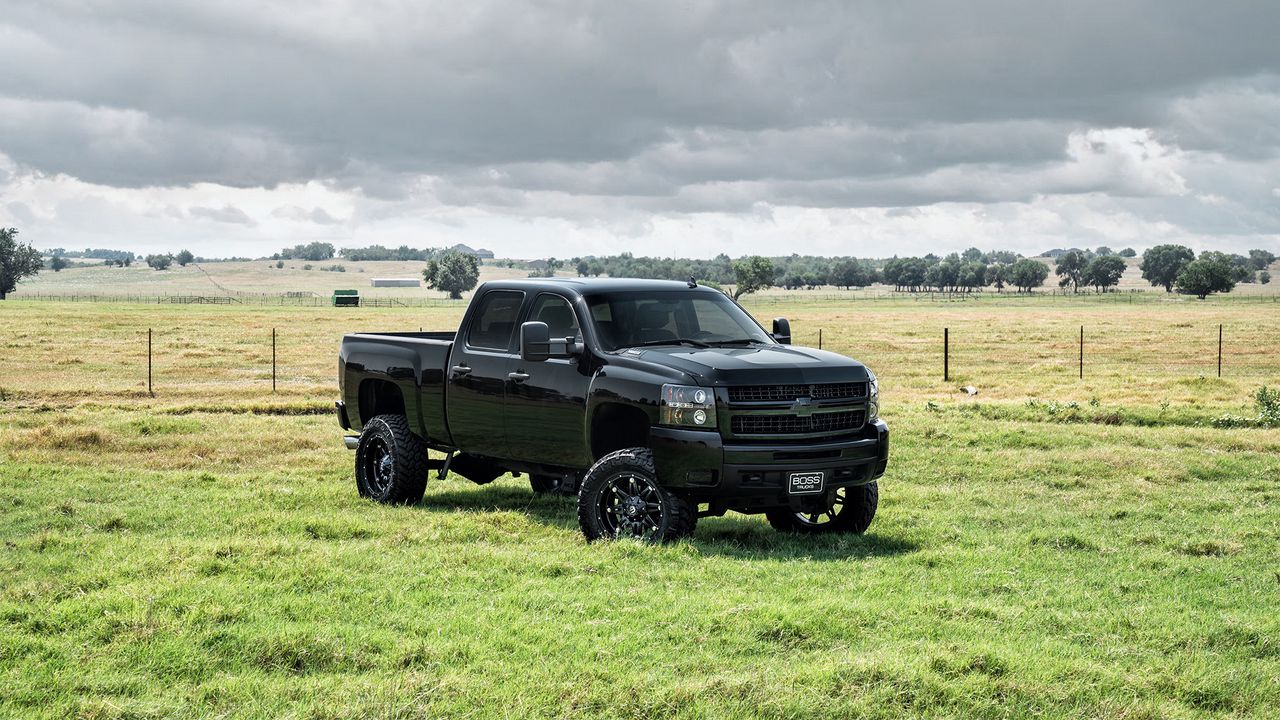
{"type": "Point", "coordinates": [692, 283]}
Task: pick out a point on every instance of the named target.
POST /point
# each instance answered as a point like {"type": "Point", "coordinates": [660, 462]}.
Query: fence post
{"type": "Point", "coordinates": [819, 338]}
{"type": "Point", "coordinates": [273, 361]}
{"type": "Point", "coordinates": [149, 390]}
{"type": "Point", "coordinates": [1219, 349]}
{"type": "Point", "coordinates": [946, 354]}
{"type": "Point", "coordinates": [1081, 352]}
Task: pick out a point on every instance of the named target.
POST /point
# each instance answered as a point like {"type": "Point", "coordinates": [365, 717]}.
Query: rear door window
{"type": "Point", "coordinates": [495, 320]}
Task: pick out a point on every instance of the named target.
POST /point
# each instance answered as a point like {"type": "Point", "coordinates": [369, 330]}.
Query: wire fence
{"type": "Point", "coordinates": [310, 299]}
{"type": "Point", "coordinates": [218, 358]}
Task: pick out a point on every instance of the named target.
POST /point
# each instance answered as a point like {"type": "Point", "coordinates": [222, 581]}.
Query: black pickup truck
{"type": "Point", "coordinates": [656, 402]}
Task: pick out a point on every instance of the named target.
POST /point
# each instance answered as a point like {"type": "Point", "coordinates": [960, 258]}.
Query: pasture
{"type": "Point", "coordinates": [1050, 547]}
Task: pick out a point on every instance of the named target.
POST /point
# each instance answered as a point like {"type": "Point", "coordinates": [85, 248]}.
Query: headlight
{"type": "Point", "coordinates": [873, 396]}
{"type": "Point", "coordinates": [688, 406]}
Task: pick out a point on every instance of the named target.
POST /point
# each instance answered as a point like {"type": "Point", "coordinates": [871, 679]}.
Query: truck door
{"type": "Point", "coordinates": [477, 374]}
{"type": "Point", "coordinates": [547, 401]}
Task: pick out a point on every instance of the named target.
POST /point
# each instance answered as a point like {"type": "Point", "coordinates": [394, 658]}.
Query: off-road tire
{"type": "Point", "coordinates": [857, 510]}
{"type": "Point", "coordinates": [633, 467]}
{"type": "Point", "coordinates": [391, 462]}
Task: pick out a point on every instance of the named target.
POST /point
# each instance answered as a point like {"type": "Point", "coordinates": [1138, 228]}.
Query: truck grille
{"type": "Point", "coordinates": [832, 422]}
{"type": "Point", "coordinates": [787, 393]}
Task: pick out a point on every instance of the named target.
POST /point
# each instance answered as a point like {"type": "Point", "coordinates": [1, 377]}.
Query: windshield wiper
{"type": "Point", "coordinates": [739, 341]}
{"type": "Point", "coordinates": [677, 341]}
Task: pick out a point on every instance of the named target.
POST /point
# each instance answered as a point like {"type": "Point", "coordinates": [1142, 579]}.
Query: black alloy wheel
{"type": "Point", "coordinates": [391, 462]}
{"type": "Point", "coordinates": [850, 511]}
{"type": "Point", "coordinates": [621, 497]}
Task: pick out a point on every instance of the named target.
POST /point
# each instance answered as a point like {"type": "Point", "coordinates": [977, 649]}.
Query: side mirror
{"type": "Point", "coordinates": [536, 344]}
{"type": "Point", "coordinates": [782, 331]}
{"type": "Point", "coordinates": [535, 341]}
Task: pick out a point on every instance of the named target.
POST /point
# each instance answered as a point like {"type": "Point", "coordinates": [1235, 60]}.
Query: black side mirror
{"type": "Point", "coordinates": [536, 344]}
{"type": "Point", "coordinates": [535, 341]}
{"type": "Point", "coordinates": [782, 331]}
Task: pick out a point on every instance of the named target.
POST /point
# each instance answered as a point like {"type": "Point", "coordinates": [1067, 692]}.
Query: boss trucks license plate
{"type": "Point", "coordinates": [805, 483]}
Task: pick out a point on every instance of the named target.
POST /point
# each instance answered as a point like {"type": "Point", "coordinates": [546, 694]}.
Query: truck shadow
{"type": "Point", "coordinates": [733, 535]}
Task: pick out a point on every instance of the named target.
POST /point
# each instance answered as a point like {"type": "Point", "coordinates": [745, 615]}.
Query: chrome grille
{"type": "Point", "coordinates": [787, 393]}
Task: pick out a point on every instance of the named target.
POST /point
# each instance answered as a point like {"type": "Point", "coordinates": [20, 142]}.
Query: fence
{"type": "Point", "coordinates": [309, 299]}
{"type": "Point", "coordinates": [203, 360]}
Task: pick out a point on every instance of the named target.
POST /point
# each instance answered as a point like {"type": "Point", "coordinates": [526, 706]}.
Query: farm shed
{"type": "Point", "coordinates": [395, 282]}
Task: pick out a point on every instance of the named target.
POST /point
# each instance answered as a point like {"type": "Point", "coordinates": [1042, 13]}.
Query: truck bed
{"type": "Point", "coordinates": [414, 362]}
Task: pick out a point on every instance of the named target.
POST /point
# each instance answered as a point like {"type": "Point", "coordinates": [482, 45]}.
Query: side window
{"type": "Point", "coordinates": [495, 320]}
{"type": "Point", "coordinates": [557, 314]}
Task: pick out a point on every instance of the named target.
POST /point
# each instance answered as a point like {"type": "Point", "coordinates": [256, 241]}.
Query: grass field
{"type": "Point", "coordinates": [1050, 547]}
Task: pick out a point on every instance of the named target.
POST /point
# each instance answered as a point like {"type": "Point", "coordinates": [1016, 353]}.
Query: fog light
{"type": "Point", "coordinates": [700, 416]}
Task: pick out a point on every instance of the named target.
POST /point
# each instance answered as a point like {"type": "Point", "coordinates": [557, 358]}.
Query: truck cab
{"type": "Point", "coordinates": [655, 402]}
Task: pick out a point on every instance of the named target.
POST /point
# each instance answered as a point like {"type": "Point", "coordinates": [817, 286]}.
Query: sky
{"type": "Point", "coordinates": [688, 128]}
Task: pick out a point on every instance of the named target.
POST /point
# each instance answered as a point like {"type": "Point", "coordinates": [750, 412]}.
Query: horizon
{"type": "Point", "coordinates": [666, 129]}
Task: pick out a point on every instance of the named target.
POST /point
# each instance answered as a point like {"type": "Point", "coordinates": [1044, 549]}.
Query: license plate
{"type": "Point", "coordinates": [805, 483]}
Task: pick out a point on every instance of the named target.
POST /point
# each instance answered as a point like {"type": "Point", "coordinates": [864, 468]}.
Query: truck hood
{"type": "Point", "coordinates": [759, 365]}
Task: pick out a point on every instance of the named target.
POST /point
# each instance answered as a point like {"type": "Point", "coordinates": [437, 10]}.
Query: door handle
{"type": "Point", "coordinates": [518, 376]}
{"type": "Point", "coordinates": [460, 370]}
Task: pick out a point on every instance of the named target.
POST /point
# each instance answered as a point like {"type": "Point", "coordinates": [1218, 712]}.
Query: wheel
{"type": "Point", "coordinates": [546, 484]}
{"type": "Point", "coordinates": [391, 462]}
{"type": "Point", "coordinates": [851, 511]}
{"type": "Point", "coordinates": [620, 498]}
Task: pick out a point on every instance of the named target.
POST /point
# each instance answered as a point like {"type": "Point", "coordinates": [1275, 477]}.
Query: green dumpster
{"type": "Point", "coordinates": [346, 298]}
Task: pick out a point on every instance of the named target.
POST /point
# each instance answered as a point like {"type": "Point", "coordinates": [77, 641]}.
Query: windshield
{"type": "Point", "coordinates": [704, 319]}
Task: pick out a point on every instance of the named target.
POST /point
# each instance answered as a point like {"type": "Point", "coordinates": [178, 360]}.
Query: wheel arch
{"type": "Point", "coordinates": [618, 426]}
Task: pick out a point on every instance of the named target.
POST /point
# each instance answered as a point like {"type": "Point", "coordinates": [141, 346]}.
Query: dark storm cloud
{"type": "Point", "coordinates": [675, 106]}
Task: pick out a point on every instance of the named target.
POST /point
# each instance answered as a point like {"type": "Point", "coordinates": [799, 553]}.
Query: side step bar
{"type": "Point", "coordinates": [351, 441]}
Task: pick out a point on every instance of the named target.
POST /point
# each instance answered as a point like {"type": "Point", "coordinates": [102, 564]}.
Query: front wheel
{"type": "Point", "coordinates": [851, 511]}
{"type": "Point", "coordinates": [391, 462]}
{"type": "Point", "coordinates": [620, 498]}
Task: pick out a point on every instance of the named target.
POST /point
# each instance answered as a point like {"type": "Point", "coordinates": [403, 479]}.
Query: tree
{"type": "Point", "coordinates": [453, 272]}
{"type": "Point", "coordinates": [1264, 277]}
{"type": "Point", "coordinates": [752, 274]}
{"type": "Point", "coordinates": [1027, 274]}
{"type": "Point", "coordinates": [973, 254]}
{"type": "Point", "coordinates": [973, 275]}
{"type": "Point", "coordinates": [1128, 253]}
{"type": "Point", "coordinates": [184, 258]}
{"type": "Point", "coordinates": [1071, 267]}
{"type": "Point", "coordinates": [998, 275]}
{"type": "Point", "coordinates": [849, 273]}
{"type": "Point", "coordinates": [1261, 259]}
{"type": "Point", "coordinates": [1162, 264]}
{"type": "Point", "coordinates": [58, 263]}
{"type": "Point", "coordinates": [279, 264]}
{"type": "Point", "coordinates": [583, 267]}
{"type": "Point", "coordinates": [1105, 271]}
{"type": "Point", "coordinates": [1211, 273]}
{"type": "Point", "coordinates": [1103, 251]}
{"type": "Point", "coordinates": [16, 261]}
{"type": "Point", "coordinates": [311, 251]}
{"type": "Point", "coordinates": [160, 262]}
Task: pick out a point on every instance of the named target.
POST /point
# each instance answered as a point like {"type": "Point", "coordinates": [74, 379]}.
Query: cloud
{"type": "Point", "coordinates": [224, 214]}
{"type": "Point", "coordinates": [425, 118]}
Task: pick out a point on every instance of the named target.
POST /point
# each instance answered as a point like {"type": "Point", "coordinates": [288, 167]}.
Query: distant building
{"type": "Point", "coordinates": [395, 282]}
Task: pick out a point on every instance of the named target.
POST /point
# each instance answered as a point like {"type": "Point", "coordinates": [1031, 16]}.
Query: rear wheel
{"type": "Point", "coordinates": [620, 497]}
{"type": "Point", "coordinates": [851, 511]}
{"type": "Point", "coordinates": [391, 462]}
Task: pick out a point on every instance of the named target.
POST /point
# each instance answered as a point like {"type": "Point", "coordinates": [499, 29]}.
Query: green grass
{"type": "Point", "coordinates": [204, 554]}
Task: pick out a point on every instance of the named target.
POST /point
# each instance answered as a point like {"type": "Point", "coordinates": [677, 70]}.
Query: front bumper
{"type": "Point", "coordinates": [701, 465]}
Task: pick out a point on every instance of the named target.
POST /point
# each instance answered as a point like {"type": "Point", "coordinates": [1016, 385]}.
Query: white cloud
{"type": "Point", "coordinates": [670, 127]}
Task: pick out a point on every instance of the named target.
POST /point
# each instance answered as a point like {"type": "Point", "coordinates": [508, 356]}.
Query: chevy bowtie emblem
{"type": "Point", "coordinates": [802, 407]}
